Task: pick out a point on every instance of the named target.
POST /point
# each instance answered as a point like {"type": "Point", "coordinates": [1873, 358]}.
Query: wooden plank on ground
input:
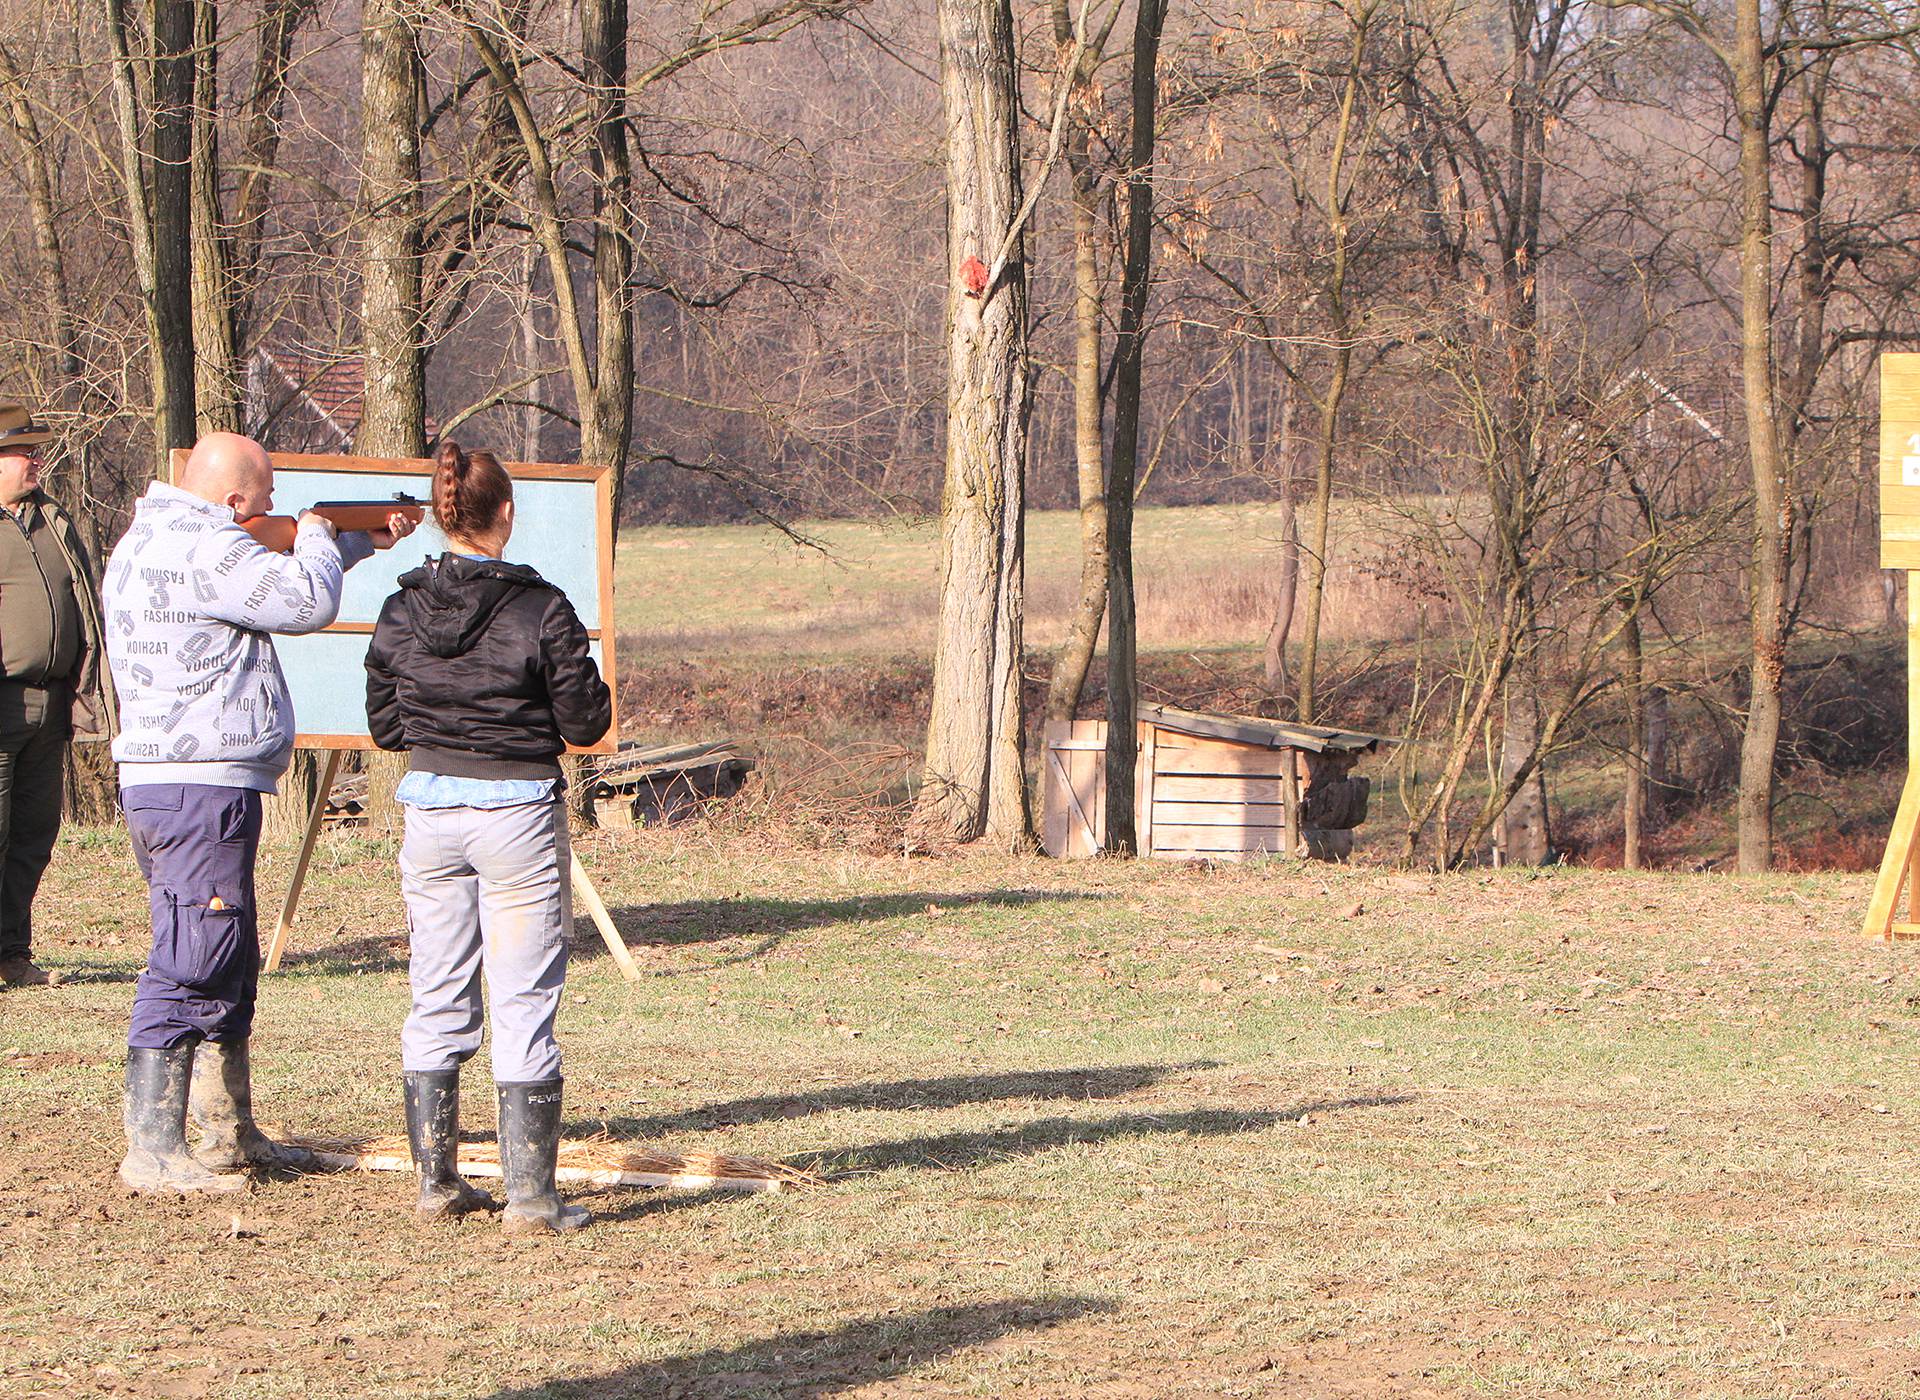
{"type": "Point", "coordinates": [1203, 839]}
{"type": "Point", "coordinates": [1251, 763]}
{"type": "Point", "coordinates": [1219, 813]}
{"type": "Point", "coordinates": [1169, 787]}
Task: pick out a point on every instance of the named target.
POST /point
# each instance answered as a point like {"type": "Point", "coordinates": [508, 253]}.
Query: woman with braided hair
{"type": "Point", "coordinates": [480, 671]}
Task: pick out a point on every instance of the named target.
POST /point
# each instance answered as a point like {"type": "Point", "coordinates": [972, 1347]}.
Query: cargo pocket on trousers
{"type": "Point", "coordinates": [194, 945]}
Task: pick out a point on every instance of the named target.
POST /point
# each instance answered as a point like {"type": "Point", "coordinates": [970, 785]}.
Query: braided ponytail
{"type": "Point", "coordinates": [469, 491]}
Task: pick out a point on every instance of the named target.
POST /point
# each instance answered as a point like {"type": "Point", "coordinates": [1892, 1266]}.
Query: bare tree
{"type": "Point", "coordinates": [975, 781]}
{"type": "Point", "coordinates": [1123, 681]}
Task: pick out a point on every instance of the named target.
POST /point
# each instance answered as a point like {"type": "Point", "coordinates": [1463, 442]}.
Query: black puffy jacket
{"type": "Point", "coordinates": [481, 669]}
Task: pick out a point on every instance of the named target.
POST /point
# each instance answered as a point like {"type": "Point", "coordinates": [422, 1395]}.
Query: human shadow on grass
{"type": "Point", "coordinates": [380, 952]}
{"type": "Point", "coordinates": [92, 974]}
{"type": "Point", "coordinates": [962, 1151]}
{"type": "Point", "coordinates": [767, 921]}
{"type": "Point", "coordinates": [832, 1361]}
{"type": "Point", "coordinates": [770, 920]}
{"type": "Point", "coordinates": [949, 1091]}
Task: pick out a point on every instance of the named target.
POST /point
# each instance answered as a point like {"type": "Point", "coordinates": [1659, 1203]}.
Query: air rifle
{"type": "Point", "coordinates": [276, 532]}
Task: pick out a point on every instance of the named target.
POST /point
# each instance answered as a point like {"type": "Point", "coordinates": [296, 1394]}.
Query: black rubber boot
{"type": "Point", "coordinates": [433, 1133]}
{"type": "Point", "coordinates": [155, 1112]}
{"type": "Point", "coordinates": [221, 1105]}
{"type": "Point", "coordinates": [529, 1149]}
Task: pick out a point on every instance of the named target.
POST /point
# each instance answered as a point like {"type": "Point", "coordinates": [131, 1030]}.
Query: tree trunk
{"type": "Point", "coordinates": [283, 815]}
{"type": "Point", "coordinates": [392, 319]}
{"type": "Point", "coordinates": [1089, 404]}
{"type": "Point", "coordinates": [1767, 587]}
{"type": "Point", "coordinates": [975, 781]}
{"type": "Point", "coordinates": [1634, 808]}
{"type": "Point", "coordinates": [1339, 192]}
{"type": "Point", "coordinates": [217, 380]}
{"type": "Point", "coordinates": [1521, 832]}
{"type": "Point", "coordinates": [273, 53]}
{"type": "Point", "coordinates": [1123, 689]}
{"type": "Point", "coordinates": [1319, 512]}
{"type": "Point", "coordinates": [1288, 585]}
{"type": "Point", "coordinates": [91, 781]}
{"type": "Point", "coordinates": [1662, 786]}
{"type": "Point", "coordinates": [393, 423]}
{"type": "Point", "coordinates": [171, 160]}
{"type": "Point", "coordinates": [128, 117]}
{"type": "Point", "coordinates": [607, 420]}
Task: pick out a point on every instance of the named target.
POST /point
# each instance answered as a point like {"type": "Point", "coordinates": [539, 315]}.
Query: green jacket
{"type": "Point", "coordinates": [93, 708]}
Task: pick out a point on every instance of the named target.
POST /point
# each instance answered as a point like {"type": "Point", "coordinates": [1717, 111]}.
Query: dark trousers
{"type": "Point", "coordinates": [196, 846]}
{"type": "Point", "coordinates": [33, 776]}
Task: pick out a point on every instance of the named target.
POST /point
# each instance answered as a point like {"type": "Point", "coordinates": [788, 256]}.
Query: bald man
{"type": "Point", "coordinates": [206, 726]}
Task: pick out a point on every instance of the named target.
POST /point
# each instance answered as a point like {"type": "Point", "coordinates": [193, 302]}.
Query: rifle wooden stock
{"type": "Point", "coordinates": [276, 532]}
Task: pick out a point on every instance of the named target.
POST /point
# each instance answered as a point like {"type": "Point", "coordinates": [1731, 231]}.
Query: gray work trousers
{"type": "Point", "coordinates": [486, 889]}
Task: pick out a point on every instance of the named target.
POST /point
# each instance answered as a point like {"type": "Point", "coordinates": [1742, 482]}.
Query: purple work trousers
{"type": "Point", "coordinates": [196, 846]}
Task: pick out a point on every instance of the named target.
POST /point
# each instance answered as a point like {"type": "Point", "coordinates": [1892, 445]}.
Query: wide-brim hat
{"type": "Point", "coordinates": [17, 428]}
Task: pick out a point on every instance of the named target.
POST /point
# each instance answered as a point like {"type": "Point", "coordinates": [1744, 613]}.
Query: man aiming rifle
{"type": "Point", "coordinates": [206, 727]}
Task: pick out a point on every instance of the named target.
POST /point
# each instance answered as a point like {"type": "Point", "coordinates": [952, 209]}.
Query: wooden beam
{"type": "Point", "coordinates": [284, 929]}
{"type": "Point", "coordinates": [602, 920]}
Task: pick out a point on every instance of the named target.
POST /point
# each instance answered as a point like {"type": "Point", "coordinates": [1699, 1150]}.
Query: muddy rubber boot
{"type": "Point", "coordinates": [155, 1112]}
{"type": "Point", "coordinates": [529, 1149]}
{"type": "Point", "coordinates": [433, 1133]}
{"type": "Point", "coordinates": [221, 1105]}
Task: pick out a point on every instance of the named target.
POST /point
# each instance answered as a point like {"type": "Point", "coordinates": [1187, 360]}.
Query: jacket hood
{"type": "Point", "coordinates": [450, 600]}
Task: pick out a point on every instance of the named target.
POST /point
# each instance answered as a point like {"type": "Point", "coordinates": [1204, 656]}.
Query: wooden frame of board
{"type": "Point", "coordinates": [337, 744]}
{"type": "Point", "coordinates": [423, 467]}
{"type": "Point", "coordinates": [1900, 549]}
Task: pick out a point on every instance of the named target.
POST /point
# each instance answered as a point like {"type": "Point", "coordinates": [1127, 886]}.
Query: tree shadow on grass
{"type": "Point", "coordinates": [950, 1091]}
{"type": "Point", "coordinates": [962, 1151]}
{"type": "Point", "coordinates": [767, 921]}
{"type": "Point", "coordinates": [805, 1365]}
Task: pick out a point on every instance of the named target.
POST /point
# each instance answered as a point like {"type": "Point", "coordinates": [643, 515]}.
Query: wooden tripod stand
{"type": "Point", "coordinates": [583, 886]}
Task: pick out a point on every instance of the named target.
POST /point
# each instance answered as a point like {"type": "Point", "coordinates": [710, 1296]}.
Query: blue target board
{"type": "Point", "coordinates": [562, 526]}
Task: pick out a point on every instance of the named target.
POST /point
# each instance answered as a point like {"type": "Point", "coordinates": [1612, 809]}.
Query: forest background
{"type": "Point", "coordinates": [1520, 359]}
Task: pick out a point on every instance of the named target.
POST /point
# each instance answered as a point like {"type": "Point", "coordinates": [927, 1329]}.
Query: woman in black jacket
{"type": "Point", "coordinates": [480, 669]}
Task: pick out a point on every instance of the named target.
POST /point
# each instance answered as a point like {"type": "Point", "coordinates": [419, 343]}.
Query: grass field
{"type": "Point", "coordinates": [1090, 1130]}
{"type": "Point", "coordinates": [870, 588]}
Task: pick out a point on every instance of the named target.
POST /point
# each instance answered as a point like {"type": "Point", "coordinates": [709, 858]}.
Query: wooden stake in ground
{"type": "Point", "coordinates": [312, 834]}
{"type": "Point", "coordinates": [597, 911]}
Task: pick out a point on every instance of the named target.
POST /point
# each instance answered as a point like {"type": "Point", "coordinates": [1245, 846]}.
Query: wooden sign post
{"type": "Point", "coordinates": [1900, 549]}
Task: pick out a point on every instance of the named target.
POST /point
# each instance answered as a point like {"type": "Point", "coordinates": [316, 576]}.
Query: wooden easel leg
{"type": "Point", "coordinates": [1902, 850]}
{"type": "Point", "coordinates": [603, 921]}
{"type": "Point", "coordinates": [285, 926]}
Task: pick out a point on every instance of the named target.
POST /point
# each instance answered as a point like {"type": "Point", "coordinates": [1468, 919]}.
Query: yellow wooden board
{"type": "Point", "coordinates": [1900, 549]}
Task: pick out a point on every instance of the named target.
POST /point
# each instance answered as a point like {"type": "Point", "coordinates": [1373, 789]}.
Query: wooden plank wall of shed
{"type": "Point", "coordinates": [1198, 796]}
{"type": "Point", "coordinates": [1220, 799]}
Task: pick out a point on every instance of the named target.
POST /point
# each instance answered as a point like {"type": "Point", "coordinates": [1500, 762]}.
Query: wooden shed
{"type": "Point", "coordinates": [1214, 787]}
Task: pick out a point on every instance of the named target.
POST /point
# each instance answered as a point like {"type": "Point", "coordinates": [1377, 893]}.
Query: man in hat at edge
{"type": "Point", "coordinates": [53, 685]}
